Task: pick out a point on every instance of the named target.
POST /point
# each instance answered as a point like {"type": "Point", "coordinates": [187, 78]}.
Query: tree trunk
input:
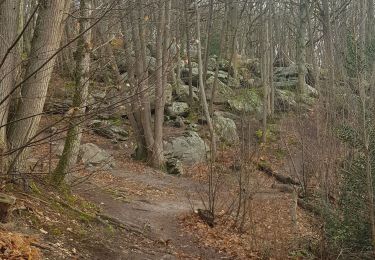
{"type": "Point", "coordinates": [73, 139]}
{"type": "Point", "coordinates": [201, 86]}
{"type": "Point", "coordinates": [142, 77]}
{"type": "Point", "coordinates": [264, 77]}
{"type": "Point", "coordinates": [208, 39]}
{"type": "Point", "coordinates": [45, 42]}
{"type": "Point", "coordinates": [187, 29]}
{"type": "Point", "coordinates": [271, 58]}
{"type": "Point", "coordinates": [213, 91]}
{"type": "Point", "coordinates": [8, 30]}
{"type": "Point", "coordinates": [157, 156]}
{"type": "Point", "coordinates": [328, 46]}
{"type": "Point", "coordinates": [301, 49]}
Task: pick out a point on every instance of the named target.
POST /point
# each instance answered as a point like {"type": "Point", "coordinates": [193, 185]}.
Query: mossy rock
{"type": "Point", "coordinates": [246, 101]}
{"type": "Point", "coordinates": [223, 92]}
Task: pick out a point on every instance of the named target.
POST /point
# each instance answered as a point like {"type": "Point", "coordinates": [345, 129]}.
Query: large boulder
{"type": "Point", "coordinates": [178, 109]}
{"type": "Point", "coordinates": [211, 65]}
{"type": "Point", "coordinates": [174, 166]}
{"type": "Point", "coordinates": [251, 66]}
{"type": "Point", "coordinates": [226, 129]}
{"type": "Point", "coordinates": [182, 93]}
{"type": "Point", "coordinates": [168, 94]}
{"type": "Point", "coordinates": [195, 75]}
{"type": "Point", "coordinates": [223, 92]}
{"type": "Point", "coordinates": [246, 101]}
{"type": "Point", "coordinates": [93, 156]}
{"type": "Point", "coordinates": [285, 100]}
{"type": "Point", "coordinates": [189, 148]}
{"type": "Point", "coordinates": [109, 130]}
{"type": "Point", "coordinates": [287, 78]}
{"type": "Point", "coordinates": [185, 76]}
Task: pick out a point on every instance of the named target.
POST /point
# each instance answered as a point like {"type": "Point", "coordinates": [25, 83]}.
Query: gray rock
{"type": "Point", "coordinates": [233, 83]}
{"type": "Point", "coordinates": [185, 76]}
{"type": "Point", "coordinates": [182, 93]}
{"type": "Point", "coordinates": [178, 109]}
{"type": "Point", "coordinates": [252, 66]}
{"type": "Point", "coordinates": [226, 129]}
{"type": "Point", "coordinates": [179, 122]}
{"type": "Point", "coordinates": [189, 148]}
{"type": "Point", "coordinates": [168, 94]}
{"type": "Point", "coordinates": [174, 166]}
{"type": "Point", "coordinates": [108, 130]}
{"type": "Point", "coordinates": [211, 65]}
{"type": "Point", "coordinates": [57, 107]}
{"type": "Point", "coordinates": [93, 156]}
{"type": "Point", "coordinates": [192, 127]}
{"type": "Point", "coordinates": [285, 100]}
{"type": "Point", "coordinates": [223, 93]}
{"type": "Point", "coordinates": [247, 101]}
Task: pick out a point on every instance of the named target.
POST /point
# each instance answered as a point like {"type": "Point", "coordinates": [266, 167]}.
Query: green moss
{"type": "Point", "coordinates": [116, 121]}
{"type": "Point", "coordinates": [247, 101]}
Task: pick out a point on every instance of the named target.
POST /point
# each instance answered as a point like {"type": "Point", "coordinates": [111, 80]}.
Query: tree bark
{"type": "Point", "coordinates": [188, 52]}
{"type": "Point", "coordinates": [45, 42]}
{"type": "Point", "coordinates": [201, 86]}
{"type": "Point", "coordinates": [301, 46]}
{"type": "Point", "coordinates": [157, 156]}
{"type": "Point", "coordinates": [74, 135]}
{"type": "Point", "coordinates": [8, 31]}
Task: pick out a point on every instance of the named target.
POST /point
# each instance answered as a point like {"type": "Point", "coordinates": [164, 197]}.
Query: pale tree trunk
{"type": "Point", "coordinates": [28, 35]}
{"type": "Point", "coordinates": [328, 46]}
{"type": "Point", "coordinates": [233, 27]}
{"type": "Point", "coordinates": [264, 76]}
{"type": "Point", "coordinates": [313, 60]}
{"type": "Point", "coordinates": [157, 156]}
{"type": "Point", "coordinates": [201, 86]}
{"type": "Point", "coordinates": [21, 24]}
{"type": "Point", "coordinates": [142, 76]}
{"type": "Point", "coordinates": [45, 42]}
{"type": "Point", "coordinates": [74, 135]}
{"type": "Point", "coordinates": [217, 68]}
{"type": "Point", "coordinates": [271, 57]}
{"type": "Point", "coordinates": [8, 30]}
{"type": "Point", "coordinates": [301, 46]}
{"type": "Point", "coordinates": [188, 52]}
{"type": "Point", "coordinates": [370, 30]}
{"type": "Point", "coordinates": [131, 98]}
{"type": "Point", "coordinates": [208, 39]}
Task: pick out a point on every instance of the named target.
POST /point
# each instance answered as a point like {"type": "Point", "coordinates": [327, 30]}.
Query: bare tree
{"type": "Point", "coordinates": [46, 40]}
{"type": "Point", "coordinates": [82, 81]}
{"type": "Point", "coordinates": [201, 86]}
{"type": "Point", "coordinates": [8, 30]}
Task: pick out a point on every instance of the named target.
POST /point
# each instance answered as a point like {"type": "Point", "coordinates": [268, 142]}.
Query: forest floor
{"type": "Point", "coordinates": [136, 212]}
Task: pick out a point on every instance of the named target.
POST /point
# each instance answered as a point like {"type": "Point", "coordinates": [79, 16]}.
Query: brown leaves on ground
{"type": "Point", "coordinates": [17, 246]}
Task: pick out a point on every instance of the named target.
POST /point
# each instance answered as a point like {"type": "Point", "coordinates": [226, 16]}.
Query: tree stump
{"type": "Point", "coordinates": [6, 201]}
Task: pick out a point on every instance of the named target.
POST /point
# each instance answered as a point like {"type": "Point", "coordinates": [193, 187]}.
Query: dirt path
{"type": "Point", "coordinates": [156, 216]}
